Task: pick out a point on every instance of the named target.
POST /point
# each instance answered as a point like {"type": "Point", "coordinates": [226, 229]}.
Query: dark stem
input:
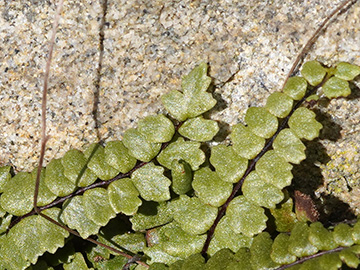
{"type": "Point", "coordinates": [44, 138]}
{"type": "Point", "coordinates": [304, 259]}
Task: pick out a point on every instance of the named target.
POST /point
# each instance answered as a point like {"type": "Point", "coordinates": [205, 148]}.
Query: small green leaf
{"type": "Point", "coordinates": [328, 261]}
{"type": "Point", "coordinates": [295, 87]}
{"type": "Point", "coordinates": [299, 244]}
{"type": "Point", "coordinates": [97, 206]}
{"type": "Point", "coordinates": [279, 104]}
{"type": "Point", "coordinates": [115, 263]}
{"type": "Point", "coordinates": [228, 165]}
{"type": "Point", "coordinates": [95, 154]}
{"type": "Point", "coordinates": [139, 146]}
{"type": "Point", "coordinates": [356, 232]}
{"type": "Point", "coordinates": [246, 217]}
{"type": "Point", "coordinates": [279, 252]}
{"type": "Point", "coordinates": [274, 169]}
{"type": "Point", "coordinates": [194, 100]}
{"type": "Point", "coordinates": [336, 87]}
{"type": "Point", "coordinates": [313, 72]}
{"type": "Point", "coordinates": [289, 146]}
{"type": "Point", "coordinates": [150, 215]}
{"type": "Point", "coordinates": [242, 257]}
{"type": "Point", "coordinates": [193, 216]}
{"type": "Point", "coordinates": [304, 125]}
{"type": "Point", "coordinates": [158, 266]}
{"type": "Point", "coordinates": [18, 196]}
{"type": "Point", "coordinates": [210, 188]}
{"type": "Point", "coordinates": [256, 190]}
{"type": "Point", "coordinates": [220, 260]}
{"type": "Point", "coordinates": [260, 252]}
{"type": "Point", "coordinates": [177, 243]}
{"type": "Point", "coordinates": [5, 222]}
{"type": "Point", "coordinates": [314, 97]}
{"type": "Point", "coordinates": [349, 258]}
{"type": "Point", "coordinates": [225, 237]}
{"type": "Point", "coordinates": [116, 234]}
{"type": "Point", "coordinates": [73, 215]}
{"type": "Point", "coordinates": [75, 169]}
{"type": "Point", "coordinates": [157, 128]}
{"type": "Point", "coordinates": [151, 183]}
{"type": "Point", "coordinates": [246, 143]}
{"type": "Point", "coordinates": [347, 71]}
{"type": "Point", "coordinates": [123, 197]}
{"type": "Point", "coordinates": [157, 254]}
{"type": "Point", "coordinates": [194, 262]}
{"type": "Point", "coordinates": [5, 177]}
{"type": "Point", "coordinates": [181, 174]}
{"type": "Point", "coordinates": [55, 179]}
{"type": "Point", "coordinates": [77, 262]}
{"type": "Point", "coordinates": [355, 249]}
{"type": "Point", "coordinates": [199, 129]}
{"type": "Point", "coordinates": [321, 237]}
{"type": "Point", "coordinates": [10, 257]}
{"type": "Point", "coordinates": [182, 150]}
{"type": "Point", "coordinates": [117, 156]}
{"type": "Point", "coordinates": [261, 122]}
{"type": "Point", "coordinates": [33, 236]}
{"type": "Point", "coordinates": [285, 218]}
{"type": "Point", "coordinates": [343, 235]}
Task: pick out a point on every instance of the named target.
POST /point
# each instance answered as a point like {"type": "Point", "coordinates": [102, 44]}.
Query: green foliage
{"type": "Point", "coordinates": [95, 154]}
{"type": "Point", "coordinates": [199, 129]}
{"type": "Point", "coordinates": [123, 197]}
{"type": "Point", "coordinates": [273, 169]}
{"type": "Point", "coordinates": [279, 104]}
{"type": "Point", "coordinates": [256, 190]}
{"type": "Point", "coordinates": [18, 196]}
{"type": "Point", "coordinates": [299, 244]}
{"type": "Point", "coordinates": [336, 87]}
{"type": "Point", "coordinates": [296, 87]}
{"type": "Point", "coordinates": [5, 176]}
{"type": "Point", "coordinates": [194, 100]}
{"type": "Point", "coordinates": [225, 237]}
{"type": "Point", "coordinates": [157, 129]}
{"type": "Point", "coordinates": [188, 151]}
{"type": "Point", "coordinates": [313, 72]}
{"type": "Point", "coordinates": [246, 143]}
{"type": "Point", "coordinates": [246, 217]}
{"type": "Point", "coordinates": [229, 166]}
{"type": "Point", "coordinates": [118, 157]}
{"type": "Point", "coordinates": [193, 216]}
{"type": "Point", "coordinates": [181, 174]}
{"type": "Point", "coordinates": [346, 71]}
{"type": "Point", "coordinates": [19, 249]}
{"type": "Point", "coordinates": [139, 146]}
{"type": "Point", "coordinates": [74, 216]}
{"type": "Point", "coordinates": [261, 122]}
{"type": "Point", "coordinates": [151, 183]}
{"type": "Point", "coordinates": [162, 191]}
{"type": "Point", "coordinates": [74, 163]}
{"type": "Point", "coordinates": [289, 146]}
{"type": "Point", "coordinates": [304, 125]}
{"type": "Point", "coordinates": [210, 188]}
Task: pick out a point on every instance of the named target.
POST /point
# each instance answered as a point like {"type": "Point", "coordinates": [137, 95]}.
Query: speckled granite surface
{"type": "Point", "coordinates": [148, 46]}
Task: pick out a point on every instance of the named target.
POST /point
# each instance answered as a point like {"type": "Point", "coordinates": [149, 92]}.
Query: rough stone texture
{"type": "Point", "coordinates": [148, 47]}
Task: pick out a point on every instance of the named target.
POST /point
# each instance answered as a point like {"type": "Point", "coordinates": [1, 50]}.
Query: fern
{"type": "Point", "coordinates": [167, 200]}
{"type": "Point", "coordinates": [180, 225]}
